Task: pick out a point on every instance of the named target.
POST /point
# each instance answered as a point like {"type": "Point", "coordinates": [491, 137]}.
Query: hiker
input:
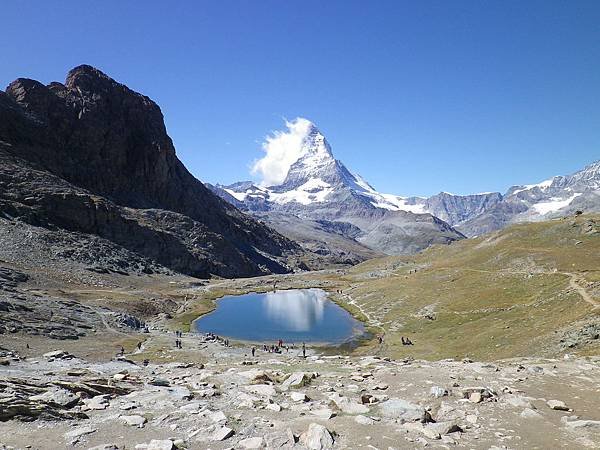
{"type": "Point", "coordinates": [303, 350]}
{"type": "Point", "coordinates": [380, 339]}
{"type": "Point", "coordinates": [403, 341]}
{"type": "Point", "coordinates": [139, 345]}
{"type": "Point", "coordinates": [122, 351]}
{"type": "Point", "coordinates": [253, 351]}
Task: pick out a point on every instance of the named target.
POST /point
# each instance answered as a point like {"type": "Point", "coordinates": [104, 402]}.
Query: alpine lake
{"type": "Point", "coordinates": [294, 316]}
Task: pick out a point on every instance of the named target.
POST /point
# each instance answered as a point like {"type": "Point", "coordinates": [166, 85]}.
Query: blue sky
{"type": "Point", "coordinates": [417, 97]}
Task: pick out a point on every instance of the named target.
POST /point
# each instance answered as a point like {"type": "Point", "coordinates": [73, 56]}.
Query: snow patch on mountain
{"type": "Point", "coordinates": [314, 190]}
{"type": "Point", "coordinates": [527, 187]}
{"type": "Point", "coordinates": [554, 204]}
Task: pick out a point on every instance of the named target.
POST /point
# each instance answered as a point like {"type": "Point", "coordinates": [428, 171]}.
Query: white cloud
{"type": "Point", "coordinates": [282, 149]}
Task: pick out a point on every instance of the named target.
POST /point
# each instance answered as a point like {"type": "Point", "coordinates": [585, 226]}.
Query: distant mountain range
{"type": "Point", "coordinates": [320, 198]}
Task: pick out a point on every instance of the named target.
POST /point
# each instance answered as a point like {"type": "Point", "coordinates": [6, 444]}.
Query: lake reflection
{"type": "Point", "coordinates": [292, 315]}
{"type": "Point", "coordinates": [298, 310]}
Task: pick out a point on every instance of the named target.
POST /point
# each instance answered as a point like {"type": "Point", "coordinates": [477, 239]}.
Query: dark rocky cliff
{"type": "Point", "coordinates": [93, 156]}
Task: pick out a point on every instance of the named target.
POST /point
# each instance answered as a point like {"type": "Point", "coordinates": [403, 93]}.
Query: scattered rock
{"type": "Point", "coordinates": [364, 420]}
{"type": "Point", "coordinates": [317, 437]}
{"type": "Point", "coordinates": [280, 439]}
{"type": "Point", "coordinates": [57, 397]}
{"type": "Point", "coordinates": [222, 433]}
{"type": "Point", "coordinates": [252, 443]}
{"type": "Point", "coordinates": [324, 413]}
{"type": "Point", "coordinates": [218, 416]}
{"type": "Point", "coordinates": [134, 420]}
{"type": "Point", "coordinates": [297, 380]}
{"type": "Point", "coordinates": [57, 354]}
{"type": "Point", "coordinates": [78, 432]}
{"type": "Point", "coordinates": [399, 409]}
{"type": "Point", "coordinates": [157, 444]}
{"type": "Point", "coordinates": [529, 413]}
{"type": "Point", "coordinates": [557, 405]}
{"type": "Point", "coordinates": [348, 406]}
{"type": "Point", "coordinates": [438, 391]}
{"type": "Point", "coordinates": [584, 424]}
{"type": "Point", "coordinates": [299, 397]}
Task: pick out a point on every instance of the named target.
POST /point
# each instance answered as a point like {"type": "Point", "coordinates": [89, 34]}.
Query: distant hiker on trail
{"type": "Point", "coordinates": [139, 345]}
{"type": "Point", "coordinates": [380, 339]}
{"type": "Point", "coordinates": [253, 351]}
{"type": "Point", "coordinates": [403, 341]}
{"type": "Point", "coordinates": [303, 350]}
{"type": "Point", "coordinates": [122, 351]}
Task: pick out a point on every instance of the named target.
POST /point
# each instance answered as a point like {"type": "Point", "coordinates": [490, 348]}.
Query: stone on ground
{"type": "Point", "coordinates": [317, 437]}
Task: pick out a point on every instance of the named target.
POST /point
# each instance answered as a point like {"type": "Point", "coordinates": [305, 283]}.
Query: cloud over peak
{"type": "Point", "coordinates": [282, 149]}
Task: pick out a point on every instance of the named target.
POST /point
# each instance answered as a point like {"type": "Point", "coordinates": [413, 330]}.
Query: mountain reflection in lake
{"type": "Point", "coordinates": [299, 315]}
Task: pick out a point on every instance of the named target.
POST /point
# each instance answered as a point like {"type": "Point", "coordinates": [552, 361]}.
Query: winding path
{"type": "Point", "coordinates": [574, 283]}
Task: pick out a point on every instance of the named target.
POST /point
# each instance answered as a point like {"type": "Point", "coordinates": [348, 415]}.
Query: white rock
{"type": "Point", "coordinates": [584, 424]}
{"type": "Point", "coordinates": [273, 407]}
{"type": "Point", "coordinates": [251, 443]}
{"type": "Point", "coordinates": [264, 390]}
{"type": "Point", "coordinates": [134, 421]}
{"type": "Point", "coordinates": [364, 420]}
{"type": "Point", "coordinates": [157, 444]}
{"type": "Point", "coordinates": [424, 430]}
{"type": "Point", "coordinates": [324, 413]}
{"type": "Point", "coordinates": [73, 434]}
{"type": "Point", "coordinates": [296, 380]}
{"type": "Point", "coordinates": [348, 406]}
{"type": "Point", "coordinates": [97, 402]}
{"type": "Point", "coordinates": [57, 354]}
{"type": "Point", "coordinates": [222, 433]}
{"type": "Point", "coordinates": [317, 437]}
{"type": "Point", "coordinates": [471, 418]}
{"type": "Point", "coordinates": [529, 413]}
{"type": "Point", "coordinates": [299, 397]}
{"type": "Point", "coordinates": [438, 391]}
{"type": "Point", "coordinates": [557, 405]}
{"type": "Point", "coordinates": [218, 416]}
{"type": "Point", "coordinates": [60, 397]}
{"type": "Point", "coordinates": [396, 408]}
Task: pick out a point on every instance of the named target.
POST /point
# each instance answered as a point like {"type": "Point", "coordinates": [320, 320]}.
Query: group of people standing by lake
{"type": "Point", "coordinates": [278, 348]}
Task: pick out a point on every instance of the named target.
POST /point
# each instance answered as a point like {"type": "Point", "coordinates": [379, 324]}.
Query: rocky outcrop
{"type": "Point", "coordinates": [93, 156]}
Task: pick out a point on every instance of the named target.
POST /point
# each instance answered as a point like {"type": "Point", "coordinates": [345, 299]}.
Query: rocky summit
{"type": "Point", "coordinates": [90, 159]}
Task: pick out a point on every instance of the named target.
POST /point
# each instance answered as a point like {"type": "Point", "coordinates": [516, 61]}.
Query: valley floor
{"type": "Point", "coordinates": [207, 395]}
{"type": "Point", "coordinates": [505, 354]}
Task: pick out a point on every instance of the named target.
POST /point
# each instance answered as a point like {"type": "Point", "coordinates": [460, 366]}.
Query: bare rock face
{"type": "Point", "coordinates": [93, 156]}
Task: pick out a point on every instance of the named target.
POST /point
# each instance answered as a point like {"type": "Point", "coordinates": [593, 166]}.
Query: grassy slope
{"type": "Point", "coordinates": [501, 295]}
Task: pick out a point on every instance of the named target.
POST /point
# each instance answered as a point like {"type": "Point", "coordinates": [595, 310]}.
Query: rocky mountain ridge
{"type": "Point", "coordinates": [558, 196]}
{"type": "Point", "coordinates": [93, 156]}
{"type": "Point", "coordinates": [320, 188]}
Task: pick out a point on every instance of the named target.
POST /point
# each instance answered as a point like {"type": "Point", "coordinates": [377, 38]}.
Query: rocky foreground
{"type": "Point", "coordinates": [211, 396]}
